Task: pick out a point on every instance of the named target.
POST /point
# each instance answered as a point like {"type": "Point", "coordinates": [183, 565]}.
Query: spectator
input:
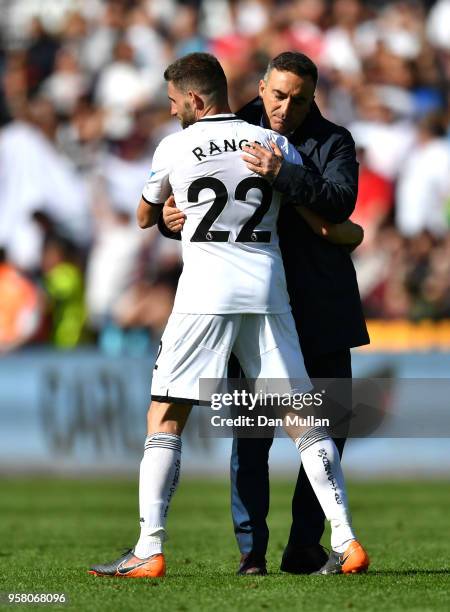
{"type": "Point", "coordinates": [423, 188]}
{"type": "Point", "coordinates": [374, 202]}
{"type": "Point", "coordinates": [120, 90]}
{"type": "Point", "coordinates": [41, 55]}
{"type": "Point", "coordinates": [34, 174]}
{"type": "Point", "coordinates": [63, 283]}
{"type": "Point", "coordinates": [20, 306]}
{"type": "Point", "coordinates": [67, 84]}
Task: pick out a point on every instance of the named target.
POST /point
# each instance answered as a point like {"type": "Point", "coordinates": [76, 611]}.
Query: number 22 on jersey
{"type": "Point", "coordinates": [248, 232]}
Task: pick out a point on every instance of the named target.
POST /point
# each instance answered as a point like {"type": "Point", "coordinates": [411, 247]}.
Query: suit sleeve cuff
{"type": "Point", "coordinates": [165, 231]}
{"type": "Point", "coordinates": [288, 174]}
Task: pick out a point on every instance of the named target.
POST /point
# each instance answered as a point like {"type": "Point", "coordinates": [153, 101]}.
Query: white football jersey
{"type": "Point", "coordinates": [232, 261]}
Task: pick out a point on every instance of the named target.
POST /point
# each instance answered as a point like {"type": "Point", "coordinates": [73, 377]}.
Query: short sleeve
{"type": "Point", "coordinates": [157, 189]}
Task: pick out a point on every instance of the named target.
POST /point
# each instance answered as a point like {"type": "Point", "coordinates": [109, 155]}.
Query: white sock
{"type": "Point", "coordinates": [158, 480]}
{"type": "Point", "coordinates": [322, 464]}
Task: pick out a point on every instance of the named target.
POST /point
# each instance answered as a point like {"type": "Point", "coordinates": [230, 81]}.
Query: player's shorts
{"type": "Point", "coordinates": [197, 346]}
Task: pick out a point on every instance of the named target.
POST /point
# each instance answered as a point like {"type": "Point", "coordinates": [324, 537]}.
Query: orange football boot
{"type": "Point", "coordinates": [354, 560]}
{"type": "Point", "coordinates": [130, 566]}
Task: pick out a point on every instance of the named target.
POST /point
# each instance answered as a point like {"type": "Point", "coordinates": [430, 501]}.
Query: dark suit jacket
{"type": "Point", "coordinates": [320, 276]}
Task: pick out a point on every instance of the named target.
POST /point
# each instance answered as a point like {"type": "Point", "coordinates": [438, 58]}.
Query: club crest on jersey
{"type": "Point", "coordinates": [225, 146]}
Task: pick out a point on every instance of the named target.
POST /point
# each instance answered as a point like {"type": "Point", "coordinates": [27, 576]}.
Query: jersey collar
{"type": "Point", "coordinates": [221, 117]}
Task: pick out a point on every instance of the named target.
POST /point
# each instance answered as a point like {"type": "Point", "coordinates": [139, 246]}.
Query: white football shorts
{"type": "Point", "coordinates": [196, 346]}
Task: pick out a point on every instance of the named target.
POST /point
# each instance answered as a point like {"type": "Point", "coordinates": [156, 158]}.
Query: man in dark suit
{"type": "Point", "coordinates": [322, 286]}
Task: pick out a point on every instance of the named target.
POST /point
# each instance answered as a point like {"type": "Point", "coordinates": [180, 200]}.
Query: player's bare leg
{"type": "Point", "coordinates": [321, 461]}
{"type": "Point", "coordinates": [158, 480]}
{"type": "Point", "coordinates": [167, 417]}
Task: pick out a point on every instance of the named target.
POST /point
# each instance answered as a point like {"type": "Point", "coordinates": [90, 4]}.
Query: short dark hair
{"type": "Point", "coordinates": [201, 72]}
{"type": "Point", "coordinates": [292, 61]}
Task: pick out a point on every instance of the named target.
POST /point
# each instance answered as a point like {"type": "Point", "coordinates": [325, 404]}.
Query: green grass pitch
{"type": "Point", "coordinates": [51, 530]}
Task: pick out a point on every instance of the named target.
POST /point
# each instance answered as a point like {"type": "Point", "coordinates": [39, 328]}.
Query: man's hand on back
{"type": "Point", "coordinates": [173, 218]}
{"type": "Point", "coordinates": [347, 234]}
{"type": "Point", "coordinates": [262, 161]}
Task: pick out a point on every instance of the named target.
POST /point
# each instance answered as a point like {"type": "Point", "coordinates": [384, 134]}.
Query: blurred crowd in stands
{"type": "Point", "coordinates": [83, 105]}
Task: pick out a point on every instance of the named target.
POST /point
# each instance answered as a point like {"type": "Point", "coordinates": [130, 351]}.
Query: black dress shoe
{"type": "Point", "coordinates": [252, 565]}
{"type": "Point", "coordinates": [303, 559]}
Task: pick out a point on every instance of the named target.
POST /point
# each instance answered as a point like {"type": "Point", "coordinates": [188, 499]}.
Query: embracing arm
{"type": "Point", "coordinates": [147, 214]}
{"type": "Point", "coordinates": [346, 234]}
{"type": "Point", "coordinates": [171, 220]}
{"type": "Point", "coordinates": [332, 195]}
{"type": "Point", "coordinates": [157, 188]}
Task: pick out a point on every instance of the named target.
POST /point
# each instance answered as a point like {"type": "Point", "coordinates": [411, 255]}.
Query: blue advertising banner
{"type": "Point", "coordinates": [82, 412]}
